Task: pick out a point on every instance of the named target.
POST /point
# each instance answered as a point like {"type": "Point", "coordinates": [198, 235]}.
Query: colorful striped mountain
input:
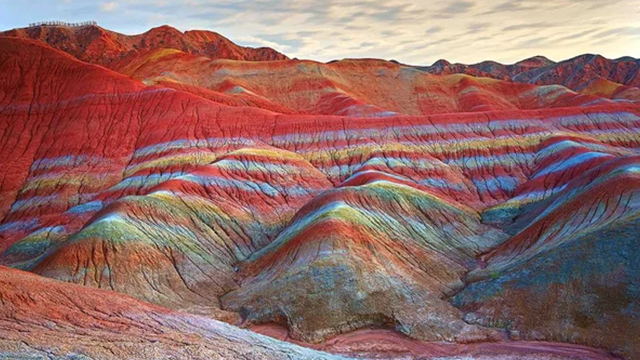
{"type": "Point", "coordinates": [358, 207]}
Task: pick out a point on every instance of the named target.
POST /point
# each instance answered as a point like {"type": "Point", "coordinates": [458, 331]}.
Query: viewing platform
{"type": "Point", "coordinates": [62, 23]}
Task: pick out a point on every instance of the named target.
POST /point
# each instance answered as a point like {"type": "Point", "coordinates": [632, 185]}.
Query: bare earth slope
{"type": "Point", "coordinates": [46, 319]}
{"type": "Point", "coordinates": [321, 199]}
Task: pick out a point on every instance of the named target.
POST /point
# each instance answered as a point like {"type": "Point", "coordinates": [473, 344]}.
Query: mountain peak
{"type": "Point", "coordinates": [97, 45]}
{"type": "Point", "coordinates": [441, 63]}
{"type": "Point", "coordinates": [537, 60]}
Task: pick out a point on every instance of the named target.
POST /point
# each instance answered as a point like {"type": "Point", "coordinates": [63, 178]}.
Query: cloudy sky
{"type": "Point", "coordinates": [415, 32]}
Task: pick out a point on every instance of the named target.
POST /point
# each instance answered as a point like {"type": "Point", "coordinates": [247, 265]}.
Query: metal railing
{"type": "Point", "coordinates": [62, 23]}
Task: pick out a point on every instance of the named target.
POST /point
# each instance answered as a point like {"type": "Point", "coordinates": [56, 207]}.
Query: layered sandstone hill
{"type": "Point", "coordinates": [320, 199]}
{"type": "Point", "coordinates": [365, 87]}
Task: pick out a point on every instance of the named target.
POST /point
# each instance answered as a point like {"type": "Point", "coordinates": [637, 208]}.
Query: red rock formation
{"type": "Point", "coordinates": [287, 192]}
{"type": "Point", "coordinates": [41, 317]}
{"type": "Point", "coordinates": [364, 88]}
{"type": "Point", "coordinates": [96, 45]}
{"type": "Point", "coordinates": [385, 252]}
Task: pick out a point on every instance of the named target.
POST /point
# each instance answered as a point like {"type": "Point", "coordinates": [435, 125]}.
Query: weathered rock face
{"type": "Point", "coordinates": [46, 319]}
{"type": "Point", "coordinates": [306, 195]}
{"type": "Point", "coordinates": [570, 274]}
{"type": "Point", "coordinates": [377, 254]}
{"type": "Point", "coordinates": [584, 291]}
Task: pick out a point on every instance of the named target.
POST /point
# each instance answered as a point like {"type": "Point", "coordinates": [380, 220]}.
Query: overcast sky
{"type": "Point", "coordinates": [414, 32]}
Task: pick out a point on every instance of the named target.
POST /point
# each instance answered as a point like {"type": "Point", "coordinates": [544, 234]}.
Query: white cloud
{"type": "Point", "coordinates": [411, 31]}
{"type": "Point", "coordinates": [256, 41]}
{"type": "Point", "coordinates": [109, 6]}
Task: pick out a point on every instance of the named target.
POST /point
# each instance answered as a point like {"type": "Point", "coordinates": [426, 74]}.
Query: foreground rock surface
{"type": "Point", "coordinates": [46, 319]}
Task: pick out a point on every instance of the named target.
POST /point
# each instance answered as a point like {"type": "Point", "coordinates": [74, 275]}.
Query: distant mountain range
{"type": "Point", "coordinates": [592, 74]}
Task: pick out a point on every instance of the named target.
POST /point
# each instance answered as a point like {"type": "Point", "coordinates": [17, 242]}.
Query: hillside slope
{"type": "Point", "coordinates": [364, 88]}
{"type": "Point", "coordinates": [42, 318]}
{"type": "Point", "coordinates": [196, 200]}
